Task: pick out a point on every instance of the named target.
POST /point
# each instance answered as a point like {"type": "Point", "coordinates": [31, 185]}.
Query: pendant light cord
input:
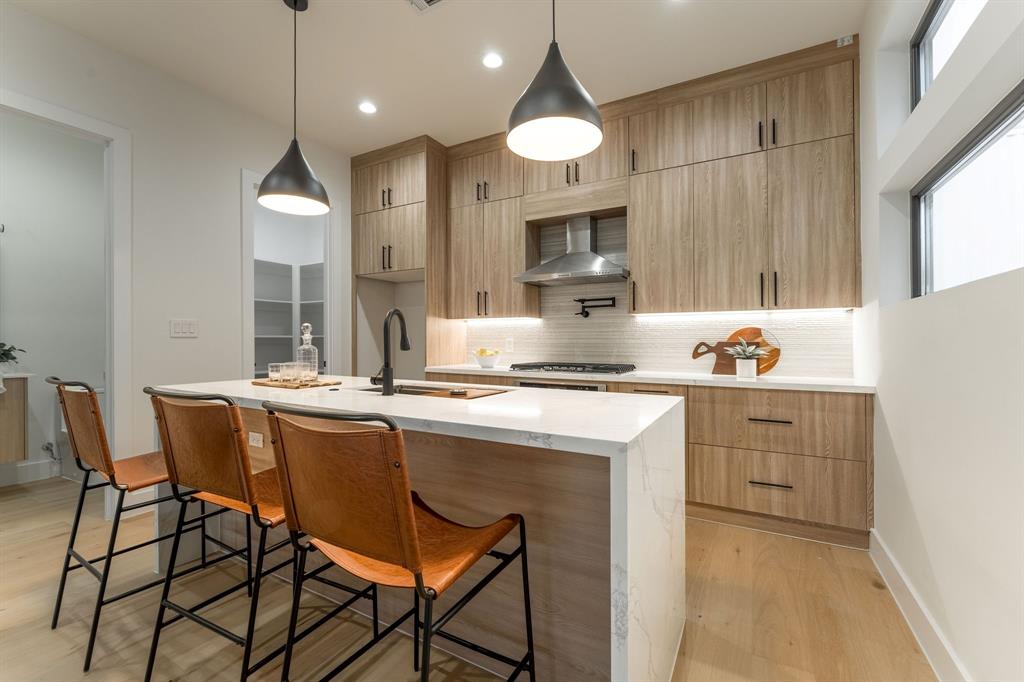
{"type": "Point", "coordinates": [553, 21]}
{"type": "Point", "coordinates": [295, 70]}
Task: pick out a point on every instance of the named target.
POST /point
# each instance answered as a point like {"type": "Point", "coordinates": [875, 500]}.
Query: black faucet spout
{"type": "Point", "coordinates": [387, 372]}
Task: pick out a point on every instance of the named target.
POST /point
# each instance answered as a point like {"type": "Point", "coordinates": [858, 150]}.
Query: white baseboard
{"type": "Point", "coordinates": [28, 471]}
{"type": "Point", "coordinates": [936, 648]}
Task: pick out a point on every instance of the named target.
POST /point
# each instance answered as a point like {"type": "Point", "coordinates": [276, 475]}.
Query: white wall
{"type": "Point", "coordinates": [949, 427]}
{"type": "Point", "coordinates": [188, 148]}
{"type": "Point", "coordinates": [52, 260]}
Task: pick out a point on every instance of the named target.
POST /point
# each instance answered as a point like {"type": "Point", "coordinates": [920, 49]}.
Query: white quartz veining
{"type": "Point", "coordinates": [837, 385]}
{"type": "Point", "coordinates": [591, 423]}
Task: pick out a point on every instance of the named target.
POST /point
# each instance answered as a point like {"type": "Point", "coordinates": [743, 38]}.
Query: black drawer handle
{"type": "Point", "coordinates": [649, 390]}
{"type": "Point", "coordinates": [761, 420]}
{"type": "Point", "coordinates": [771, 485]}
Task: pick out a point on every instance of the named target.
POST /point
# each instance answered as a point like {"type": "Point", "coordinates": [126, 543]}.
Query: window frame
{"type": "Point", "coordinates": [981, 137]}
{"type": "Point", "coordinates": [930, 21]}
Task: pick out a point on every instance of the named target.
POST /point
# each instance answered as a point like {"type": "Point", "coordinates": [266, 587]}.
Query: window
{"type": "Point", "coordinates": [942, 28]}
{"type": "Point", "coordinates": [968, 212]}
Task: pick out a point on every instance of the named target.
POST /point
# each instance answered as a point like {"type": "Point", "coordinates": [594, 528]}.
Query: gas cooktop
{"type": "Point", "coordinates": [582, 367]}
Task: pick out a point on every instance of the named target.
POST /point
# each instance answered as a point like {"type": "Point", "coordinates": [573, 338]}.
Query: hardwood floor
{"type": "Point", "coordinates": [759, 607]}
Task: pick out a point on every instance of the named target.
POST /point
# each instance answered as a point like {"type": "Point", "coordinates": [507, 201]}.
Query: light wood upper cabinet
{"type": "Point", "coordinates": [660, 241]}
{"type": "Point", "coordinates": [729, 123]}
{"type": "Point", "coordinates": [813, 225]}
{"type": "Point", "coordinates": [730, 233]}
{"type": "Point", "coordinates": [465, 261]}
{"type": "Point", "coordinates": [488, 246]}
{"type": "Point", "coordinates": [493, 176]}
{"type": "Point", "coordinates": [370, 240]}
{"type": "Point", "coordinates": [407, 231]}
{"type": "Point", "coordinates": [368, 190]}
{"type": "Point", "coordinates": [609, 160]}
{"type": "Point", "coordinates": [389, 184]}
{"type": "Point", "coordinates": [811, 105]}
{"type": "Point", "coordinates": [662, 138]}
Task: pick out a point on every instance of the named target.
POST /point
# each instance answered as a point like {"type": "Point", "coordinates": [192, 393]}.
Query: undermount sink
{"type": "Point", "coordinates": [406, 390]}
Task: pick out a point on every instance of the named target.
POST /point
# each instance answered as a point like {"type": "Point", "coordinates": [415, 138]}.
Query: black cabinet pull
{"type": "Point", "coordinates": [487, 191]}
{"type": "Point", "coordinates": [389, 256]}
{"type": "Point", "coordinates": [763, 420]}
{"type": "Point", "coordinates": [478, 191]}
{"type": "Point", "coordinates": [577, 172]}
{"type": "Point", "coordinates": [389, 196]}
{"type": "Point", "coordinates": [568, 178]}
{"type": "Point", "coordinates": [771, 485]}
{"type": "Point", "coordinates": [632, 157]}
{"type": "Point", "coordinates": [383, 258]}
{"type": "Point", "coordinates": [760, 134]}
{"type": "Point", "coordinates": [478, 303]}
{"type": "Point", "coordinates": [762, 289]}
{"type": "Point", "coordinates": [774, 140]}
{"type": "Point", "coordinates": [634, 295]}
{"type": "Point", "coordinates": [486, 301]}
{"type": "Point", "coordinates": [775, 283]}
{"type": "Point", "coordinates": [649, 390]}
{"type": "Point", "coordinates": [383, 202]}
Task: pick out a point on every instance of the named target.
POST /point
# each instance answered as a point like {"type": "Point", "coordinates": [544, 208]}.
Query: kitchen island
{"type": "Point", "coordinates": [599, 478]}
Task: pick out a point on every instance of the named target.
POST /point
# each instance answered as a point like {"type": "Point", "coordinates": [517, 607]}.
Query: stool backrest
{"type": "Point", "coordinates": [82, 416]}
{"type": "Point", "coordinates": [204, 443]}
{"type": "Point", "coordinates": [348, 488]}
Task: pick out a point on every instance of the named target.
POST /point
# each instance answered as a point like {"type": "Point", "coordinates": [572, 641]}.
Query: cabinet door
{"type": "Point", "coordinates": [730, 233]}
{"type": "Point", "coordinates": [505, 249]}
{"type": "Point", "coordinates": [367, 188]}
{"type": "Point", "coordinates": [406, 179]}
{"type": "Point", "coordinates": [609, 160]}
{"type": "Point", "coordinates": [813, 105]}
{"type": "Point", "coordinates": [465, 184]}
{"type": "Point", "coordinates": [813, 224]}
{"type": "Point", "coordinates": [370, 231]}
{"type": "Point", "coordinates": [407, 232]}
{"type": "Point", "coordinates": [729, 123]}
{"type": "Point", "coordinates": [502, 172]}
{"type": "Point", "coordinates": [541, 176]}
{"type": "Point", "coordinates": [465, 261]}
{"type": "Point", "coordinates": [661, 139]}
{"type": "Point", "coordinates": [660, 241]}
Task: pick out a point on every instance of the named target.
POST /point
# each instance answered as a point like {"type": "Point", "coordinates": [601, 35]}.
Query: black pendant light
{"type": "Point", "coordinates": [555, 119]}
{"type": "Point", "coordinates": [291, 186]}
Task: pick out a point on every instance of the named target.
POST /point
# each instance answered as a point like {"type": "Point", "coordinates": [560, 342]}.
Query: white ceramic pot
{"type": "Point", "coordinates": [746, 369]}
{"type": "Point", "coordinates": [486, 361]}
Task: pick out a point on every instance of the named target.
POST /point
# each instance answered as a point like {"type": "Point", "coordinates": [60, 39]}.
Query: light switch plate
{"type": "Point", "coordinates": [256, 439]}
{"type": "Point", "coordinates": [844, 41]}
{"type": "Point", "coordinates": [184, 329]}
{"type": "Point", "coordinates": [510, 344]}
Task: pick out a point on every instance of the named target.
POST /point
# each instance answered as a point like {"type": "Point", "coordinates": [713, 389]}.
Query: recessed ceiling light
{"type": "Point", "coordinates": [367, 107]}
{"type": "Point", "coordinates": [493, 60]}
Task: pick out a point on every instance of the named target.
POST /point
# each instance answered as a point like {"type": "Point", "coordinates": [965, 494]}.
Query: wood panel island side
{"type": "Point", "coordinates": [600, 480]}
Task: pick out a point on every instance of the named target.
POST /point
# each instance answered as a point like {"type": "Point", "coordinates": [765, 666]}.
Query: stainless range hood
{"type": "Point", "coordinates": [580, 264]}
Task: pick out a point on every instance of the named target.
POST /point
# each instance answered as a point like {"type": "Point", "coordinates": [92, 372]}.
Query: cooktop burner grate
{"type": "Point", "coordinates": [582, 367]}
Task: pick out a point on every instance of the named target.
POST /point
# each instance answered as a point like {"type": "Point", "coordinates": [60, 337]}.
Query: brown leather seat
{"type": "Point", "coordinates": [447, 549]}
{"type": "Point", "coordinates": [268, 498]}
{"type": "Point", "coordinates": [140, 471]}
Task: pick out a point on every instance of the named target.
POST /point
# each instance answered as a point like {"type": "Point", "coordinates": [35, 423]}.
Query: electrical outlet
{"type": "Point", "coordinates": [510, 344]}
{"type": "Point", "coordinates": [256, 439]}
{"type": "Point", "coordinates": [184, 329]}
{"type": "Point", "coordinates": [844, 41]}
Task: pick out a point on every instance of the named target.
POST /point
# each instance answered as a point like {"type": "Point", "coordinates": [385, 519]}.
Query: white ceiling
{"type": "Point", "coordinates": [423, 70]}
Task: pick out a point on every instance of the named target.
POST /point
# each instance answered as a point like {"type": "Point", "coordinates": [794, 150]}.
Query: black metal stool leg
{"type": "Point", "coordinates": [526, 601]}
{"type": "Point", "coordinates": [202, 532]}
{"type": "Point", "coordinates": [71, 546]}
{"type": "Point", "coordinates": [254, 603]}
{"type": "Point", "coordinates": [248, 554]}
{"type": "Point", "coordinates": [376, 618]}
{"type": "Point", "coordinates": [166, 592]}
{"type": "Point", "coordinates": [300, 572]}
{"type": "Point", "coordinates": [107, 561]}
{"type": "Point", "coordinates": [428, 607]}
{"type": "Point", "coordinates": [416, 631]}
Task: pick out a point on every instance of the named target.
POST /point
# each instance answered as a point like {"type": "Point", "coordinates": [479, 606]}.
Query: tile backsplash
{"type": "Point", "coordinates": [813, 343]}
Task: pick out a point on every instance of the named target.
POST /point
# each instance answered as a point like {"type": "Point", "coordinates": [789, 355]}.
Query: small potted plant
{"type": "Point", "coordinates": [746, 356]}
{"type": "Point", "coordinates": [486, 357]}
{"type": "Point", "coordinates": [8, 356]}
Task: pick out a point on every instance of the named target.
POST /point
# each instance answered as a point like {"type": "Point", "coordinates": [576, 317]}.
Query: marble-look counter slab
{"type": "Point", "coordinates": [595, 423]}
{"type": "Point", "coordinates": [834, 385]}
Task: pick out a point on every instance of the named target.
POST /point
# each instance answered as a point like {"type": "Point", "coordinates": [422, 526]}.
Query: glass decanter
{"type": "Point", "coordinates": [307, 354]}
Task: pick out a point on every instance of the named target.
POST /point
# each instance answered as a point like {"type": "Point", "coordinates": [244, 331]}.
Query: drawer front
{"type": "Point", "coordinates": [470, 379]}
{"type": "Point", "coordinates": [648, 389]}
{"type": "Point", "coordinates": [798, 422]}
{"type": "Point", "coordinates": [815, 489]}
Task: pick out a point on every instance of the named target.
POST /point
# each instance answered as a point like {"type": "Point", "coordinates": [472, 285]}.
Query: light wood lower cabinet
{"type": "Point", "coordinates": [486, 379]}
{"type": "Point", "coordinates": [648, 389]}
{"type": "Point", "coordinates": [13, 420]}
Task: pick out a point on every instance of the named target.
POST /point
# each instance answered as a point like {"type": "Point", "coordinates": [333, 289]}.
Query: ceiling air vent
{"type": "Point", "coordinates": [424, 5]}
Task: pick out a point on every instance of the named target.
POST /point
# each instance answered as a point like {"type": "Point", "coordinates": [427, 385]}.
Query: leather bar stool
{"type": "Point", "coordinates": [205, 448]}
{"type": "Point", "coordinates": [349, 492]}
{"type": "Point", "coordinates": [90, 447]}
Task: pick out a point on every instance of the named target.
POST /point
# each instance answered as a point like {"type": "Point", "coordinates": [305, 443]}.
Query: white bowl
{"type": "Point", "coordinates": [486, 361]}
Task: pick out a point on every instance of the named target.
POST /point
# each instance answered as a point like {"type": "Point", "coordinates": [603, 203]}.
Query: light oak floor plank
{"type": "Point", "coordinates": [759, 607]}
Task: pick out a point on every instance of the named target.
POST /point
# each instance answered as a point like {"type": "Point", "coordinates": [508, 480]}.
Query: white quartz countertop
{"type": "Point", "coordinates": [676, 378]}
{"type": "Point", "coordinates": [16, 375]}
{"type": "Point", "coordinates": [598, 423]}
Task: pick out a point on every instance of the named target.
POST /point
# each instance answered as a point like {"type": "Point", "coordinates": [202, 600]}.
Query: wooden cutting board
{"type": "Point", "coordinates": [470, 394]}
{"type": "Point", "coordinates": [294, 384]}
{"type": "Point", "coordinates": [726, 364]}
